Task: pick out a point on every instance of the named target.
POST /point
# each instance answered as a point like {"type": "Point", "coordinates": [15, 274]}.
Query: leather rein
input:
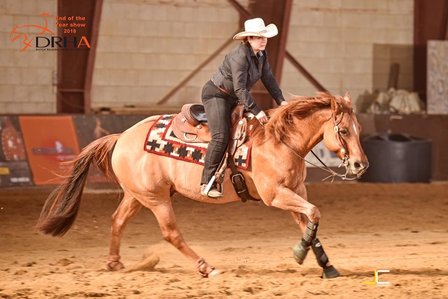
{"type": "Point", "coordinates": [342, 149]}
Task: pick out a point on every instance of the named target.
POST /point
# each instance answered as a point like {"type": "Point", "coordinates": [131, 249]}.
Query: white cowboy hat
{"type": "Point", "coordinates": [256, 27]}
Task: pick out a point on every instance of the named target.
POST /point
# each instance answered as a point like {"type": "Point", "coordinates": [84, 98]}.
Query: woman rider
{"type": "Point", "coordinates": [230, 85]}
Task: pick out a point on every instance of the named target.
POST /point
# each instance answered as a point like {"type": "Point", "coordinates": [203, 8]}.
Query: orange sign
{"type": "Point", "coordinates": [49, 141]}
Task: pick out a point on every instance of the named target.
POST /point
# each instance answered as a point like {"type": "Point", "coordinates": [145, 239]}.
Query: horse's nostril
{"type": "Point", "coordinates": [357, 165]}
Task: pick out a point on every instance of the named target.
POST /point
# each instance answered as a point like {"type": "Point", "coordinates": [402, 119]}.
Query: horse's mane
{"type": "Point", "coordinates": [282, 118]}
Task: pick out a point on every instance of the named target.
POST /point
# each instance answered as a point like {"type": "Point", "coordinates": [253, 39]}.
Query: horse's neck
{"type": "Point", "coordinates": [311, 131]}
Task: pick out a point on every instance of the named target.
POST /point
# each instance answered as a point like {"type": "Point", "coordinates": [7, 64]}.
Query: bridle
{"type": "Point", "coordinates": [339, 137]}
{"type": "Point", "coordinates": [342, 149]}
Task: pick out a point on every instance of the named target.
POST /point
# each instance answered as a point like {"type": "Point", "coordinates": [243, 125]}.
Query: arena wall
{"type": "Point", "coordinates": [148, 46]}
{"type": "Point", "coordinates": [33, 148]}
{"type": "Point", "coordinates": [348, 45]}
{"type": "Point", "coordinates": [27, 78]}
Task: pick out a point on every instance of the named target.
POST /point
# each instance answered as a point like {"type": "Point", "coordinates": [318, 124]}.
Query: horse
{"type": "Point", "coordinates": [276, 176]}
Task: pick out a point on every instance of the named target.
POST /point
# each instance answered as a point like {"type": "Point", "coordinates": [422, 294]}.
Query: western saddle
{"type": "Point", "coordinates": [190, 125]}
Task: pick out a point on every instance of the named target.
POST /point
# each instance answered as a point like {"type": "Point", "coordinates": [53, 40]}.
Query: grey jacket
{"type": "Point", "coordinates": [240, 70]}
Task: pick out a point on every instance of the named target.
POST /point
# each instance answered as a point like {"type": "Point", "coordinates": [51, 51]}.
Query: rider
{"type": "Point", "coordinates": [230, 85]}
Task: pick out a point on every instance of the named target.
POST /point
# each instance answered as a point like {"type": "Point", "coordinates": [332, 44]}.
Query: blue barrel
{"type": "Point", "coordinates": [397, 158]}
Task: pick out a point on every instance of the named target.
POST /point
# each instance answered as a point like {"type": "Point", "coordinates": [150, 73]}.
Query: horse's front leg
{"type": "Point", "coordinates": [309, 239]}
{"type": "Point", "coordinates": [287, 199]}
{"type": "Point", "coordinates": [128, 207]}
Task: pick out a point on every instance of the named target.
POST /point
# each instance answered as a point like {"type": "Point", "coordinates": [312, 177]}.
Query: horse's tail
{"type": "Point", "coordinates": [62, 205]}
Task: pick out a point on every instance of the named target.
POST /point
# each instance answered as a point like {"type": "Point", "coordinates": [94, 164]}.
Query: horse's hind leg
{"type": "Point", "coordinates": [167, 222]}
{"type": "Point", "coordinates": [128, 207]}
{"type": "Point", "coordinates": [309, 239]}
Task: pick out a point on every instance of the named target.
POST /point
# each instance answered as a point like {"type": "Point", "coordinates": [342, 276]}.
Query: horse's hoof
{"type": "Point", "coordinates": [205, 269]}
{"type": "Point", "coordinates": [115, 266]}
{"type": "Point", "coordinates": [330, 272]}
{"type": "Point", "coordinates": [214, 273]}
{"type": "Point", "coordinates": [300, 253]}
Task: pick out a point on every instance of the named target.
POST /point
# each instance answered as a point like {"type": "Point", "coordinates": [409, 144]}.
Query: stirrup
{"type": "Point", "coordinates": [213, 193]}
{"type": "Point", "coordinates": [206, 190]}
{"type": "Point", "coordinates": [209, 185]}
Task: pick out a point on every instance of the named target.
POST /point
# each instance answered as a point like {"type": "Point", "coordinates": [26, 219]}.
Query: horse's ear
{"type": "Point", "coordinates": [335, 106]}
{"type": "Point", "coordinates": [347, 97]}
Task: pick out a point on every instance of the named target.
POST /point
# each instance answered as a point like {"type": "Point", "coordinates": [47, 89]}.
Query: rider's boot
{"type": "Point", "coordinates": [213, 192]}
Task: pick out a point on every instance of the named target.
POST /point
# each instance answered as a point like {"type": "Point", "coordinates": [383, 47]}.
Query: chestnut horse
{"type": "Point", "coordinates": [276, 175]}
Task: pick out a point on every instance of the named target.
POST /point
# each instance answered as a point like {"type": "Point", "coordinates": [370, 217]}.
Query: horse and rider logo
{"type": "Point", "coordinates": [42, 37]}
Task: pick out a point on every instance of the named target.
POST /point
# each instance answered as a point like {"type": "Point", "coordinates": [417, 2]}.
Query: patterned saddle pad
{"type": "Point", "coordinates": [161, 140]}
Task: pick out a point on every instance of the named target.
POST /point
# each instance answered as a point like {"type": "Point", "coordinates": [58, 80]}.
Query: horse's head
{"type": "Point", "coordinates": [341, 136]}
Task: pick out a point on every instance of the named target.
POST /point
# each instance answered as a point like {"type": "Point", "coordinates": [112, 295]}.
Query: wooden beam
{"type": "Point", "coordinates": [195, 71]}
{"type": "Point", "coordinates": [305, 73]}
{"type": "Point", "coordinates": [95, 28]}
{"type": "Point", "coordinates": [430, 23]}
{"type": "Point", "coordinates": [75, 65]}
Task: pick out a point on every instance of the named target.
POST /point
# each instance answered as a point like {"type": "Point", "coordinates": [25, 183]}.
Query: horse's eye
{"type": "Point", "coordinates": [344, 132]}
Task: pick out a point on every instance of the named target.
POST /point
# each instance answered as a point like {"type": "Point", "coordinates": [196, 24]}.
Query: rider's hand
{"type": "Point", "coordinates": [262, 118]}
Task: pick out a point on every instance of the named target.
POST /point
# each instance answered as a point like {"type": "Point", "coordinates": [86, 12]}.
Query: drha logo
{"type": "Point", "coordinates": [41, 37]}
{"type": "Point", "coordinates": [61, 42]}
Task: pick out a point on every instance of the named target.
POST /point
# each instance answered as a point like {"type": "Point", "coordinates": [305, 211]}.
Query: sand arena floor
{"type": "Point", "coordinates": [365, 227]}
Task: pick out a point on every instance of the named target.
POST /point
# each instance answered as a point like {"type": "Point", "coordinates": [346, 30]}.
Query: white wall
{"type": "Point", "coordinates": [26, 78]}
{"type": "Point", "coordinates": [146, 47]}
{"type": "Point", "coordinates": [335, 41]}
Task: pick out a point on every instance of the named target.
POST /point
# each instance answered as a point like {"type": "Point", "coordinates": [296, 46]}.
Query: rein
{"type": "Point", "coordinates": [343, 149]}
{"type": "Point", "coordinates": [333, 173]}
